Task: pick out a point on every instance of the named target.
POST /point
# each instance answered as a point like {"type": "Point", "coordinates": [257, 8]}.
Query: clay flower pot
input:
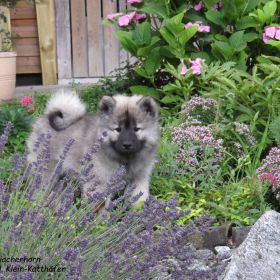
{"type": "Point", "coordinates": [7, 75]}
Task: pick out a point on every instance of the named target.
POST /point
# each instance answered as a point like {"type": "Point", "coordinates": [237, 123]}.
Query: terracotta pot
{"type": "Point", "coordinates": [7, 75]}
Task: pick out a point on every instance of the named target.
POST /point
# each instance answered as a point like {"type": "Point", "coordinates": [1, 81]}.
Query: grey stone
{"type": "Point", "coordinates": [223, 253]}
{"type": "Point", "coordinates": [214, 236]}
{"type": "Point", "coordinates": [239, 234]}
{"type": "Point", "coordinates": [258, 257]}
{"type": "Point", "coordinates": [205, 254]}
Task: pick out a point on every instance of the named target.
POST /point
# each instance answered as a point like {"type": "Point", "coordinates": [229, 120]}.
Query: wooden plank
{"type": "Point", "coordinates": [28, 69]}
{"type": "Point", "coordinates": [79, 38]}
{"type": "Point", "coordinates": [26, 3]}
{"type": "Point", "coordinates": [63, 39]}
{"type": "Point", "coordinates": [111, 46]}
{"type": "Point", "coordinates": [30, 60]}
{"type": "Point", "coordinates": [23, 13]}
{"type": "Point", "coordinates": [25, 32]}
{"type": "Point", "coordinates": [23, 50]}
{"type": "Point", "coordinates": [46, 30]}
{"type": "Point", "coordinates": [24, 22]}
{"type": "Point", "coordinates": [26, 41]}
{"type": "Point", "coordinates": [95, 39]}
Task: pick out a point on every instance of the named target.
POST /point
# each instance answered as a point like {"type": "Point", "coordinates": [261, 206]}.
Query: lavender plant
{"type": "Point", "coordinates": [46, 233]}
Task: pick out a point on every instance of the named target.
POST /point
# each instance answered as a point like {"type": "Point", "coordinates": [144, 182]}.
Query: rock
{"type": "Point", "coordinates": [258, 257]}
{"type": "Point", "coordinates": [205, 254]}
{"type": "Point", "coordinates": [223, 253]}
{"type": "Point", "coordinates": [239, 234]}
{"type": "Point", "coordinates": [210, 238]}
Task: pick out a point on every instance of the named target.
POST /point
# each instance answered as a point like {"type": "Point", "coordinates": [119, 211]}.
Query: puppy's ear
{"type": "Point", "coordinates": [149, 106]}
{"type": "Point", "coordinates": [106, 104]}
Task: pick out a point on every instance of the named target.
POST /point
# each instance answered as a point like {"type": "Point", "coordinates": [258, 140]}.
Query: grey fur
{"type": "Point", "coordinates": [132, 128]}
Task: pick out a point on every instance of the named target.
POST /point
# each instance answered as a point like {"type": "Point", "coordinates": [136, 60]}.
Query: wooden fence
{"type": "Point", "coordinates": [86, 49]}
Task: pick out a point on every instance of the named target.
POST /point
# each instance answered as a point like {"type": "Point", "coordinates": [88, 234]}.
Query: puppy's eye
{"type": "Point", "coordinates": [118, 129]}
{"type": "Point", "coordinates": [137, 129]}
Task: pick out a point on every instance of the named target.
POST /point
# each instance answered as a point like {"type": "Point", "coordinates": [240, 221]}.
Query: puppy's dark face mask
{"type": "Point", "coordinates": [131, 124]}
{"type": "Point", "coordinates": [127, 142]}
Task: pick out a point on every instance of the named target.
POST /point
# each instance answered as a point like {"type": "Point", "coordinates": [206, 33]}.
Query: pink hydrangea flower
{"type": "Point", "coordinates": [270, 31]}
{"type": "Point", "coordinates": [218, 6]}
{"type": "Point", "coordinates": [184, 68]}
{"type": "Point", "coordinates": [201, 27]}
{"type": "Point", "coordinates": [134, 1]}
{"type": "Point", "coordinates": [204, 28]}
{"type": "Point", "coordinates": [126, 19]}
{"type": "Point", "coordinates": [265, 38]}
{"type": "Point", "coordinates": [113, 16]}
{"type": "Point", "coordinates": [26, 101]}
{"type": "Point", "coordinates": [140, 16]}
{"type": "Point", "coordinates": [277, 33]}
{"type": "Point", "coordinates": [196, 66]}
{"type": "Point", "coordinates": [198, 6]}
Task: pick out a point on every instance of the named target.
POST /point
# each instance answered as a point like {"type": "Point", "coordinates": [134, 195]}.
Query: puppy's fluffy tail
{"type": "Point", "coordinates": [64, 109]}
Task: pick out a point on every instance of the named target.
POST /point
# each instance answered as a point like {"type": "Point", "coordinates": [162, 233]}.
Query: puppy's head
{"type": "Point", "coordinates": [131, 123]}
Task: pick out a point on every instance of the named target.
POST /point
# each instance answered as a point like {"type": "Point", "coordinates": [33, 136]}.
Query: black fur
{"type": "Point", "coordinates": [53, 120]}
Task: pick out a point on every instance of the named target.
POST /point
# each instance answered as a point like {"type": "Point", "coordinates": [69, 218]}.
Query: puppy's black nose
{"type": "Point", "coordinates": [127, 145]}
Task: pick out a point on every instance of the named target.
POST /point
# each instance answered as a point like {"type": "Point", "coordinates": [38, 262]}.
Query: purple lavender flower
{"type": "Point", "coordinates": [4, 137]}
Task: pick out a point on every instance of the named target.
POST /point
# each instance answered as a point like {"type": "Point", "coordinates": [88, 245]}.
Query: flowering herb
{"type": "Point", "coordinates": [114, 244]}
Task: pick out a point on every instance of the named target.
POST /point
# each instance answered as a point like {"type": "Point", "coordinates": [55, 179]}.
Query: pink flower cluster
{"type": "Point", "coordinates": [125, 20]}
{"type": "Point", "coordinates": [196, 66]}
{"type": "Point", "coordinates": [26, 101]}
{"type": "Point", "coordinates": [199, 154]}
{"type": "Point", "coordinates": [271, 32]}
{"type": "Point", "coordinates": [201, 27]}
{"type": "Point", "coordinates": [270, 170]}
{"type": "Point", "coordinates": [198, 7]}
{"type": "Point", "coordinates": [200, 110]}
{"type": "Point", "coordinates": [244, 130]}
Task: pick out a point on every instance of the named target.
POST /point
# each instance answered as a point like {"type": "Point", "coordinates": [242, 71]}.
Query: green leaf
{"type": "Point", "coordinates": [152, 63]}
{"type": "Point", "coordinates": [225, 49]}
{"type": "Point", "coordinates": [168, 37]}
{"type": "Point", "coordinates": [187, 34]}
{"type": "Point", "coordinates": [125, 39]}
{"type": "Point", "coordinates": [237, 41]}
{"type": "Point", "coordinates": [269, 9]}
{"type": "Point", "coordinates": [246, 22]}
{"type": "Point", "coordinates": [249, 37]}
{"type": "Point", "coordinates": [215, 17]}
{"type": "Point", "coordinates": [170, 87]}
{"type": "Point", "coordinates": [142, 72]}
{"type": "Point", "coordinates": [145, 51]}
{"type": "Point", "coordinates": [274, 44]}
{"type": "Point", "coordinates": [251, 5]}
{"type": "Point", "coordinates": [155, 8]}
{"type": "Point", "coordinates": [144, 90]}
{"type": "Point", "coordinates": [170, 99]}
{"type": "Point", "coordinates": [209, 4]}
{"type": "Point", "coordinates": [142, 34]}
{"type": "Point", "coordinates": [259, 15]}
